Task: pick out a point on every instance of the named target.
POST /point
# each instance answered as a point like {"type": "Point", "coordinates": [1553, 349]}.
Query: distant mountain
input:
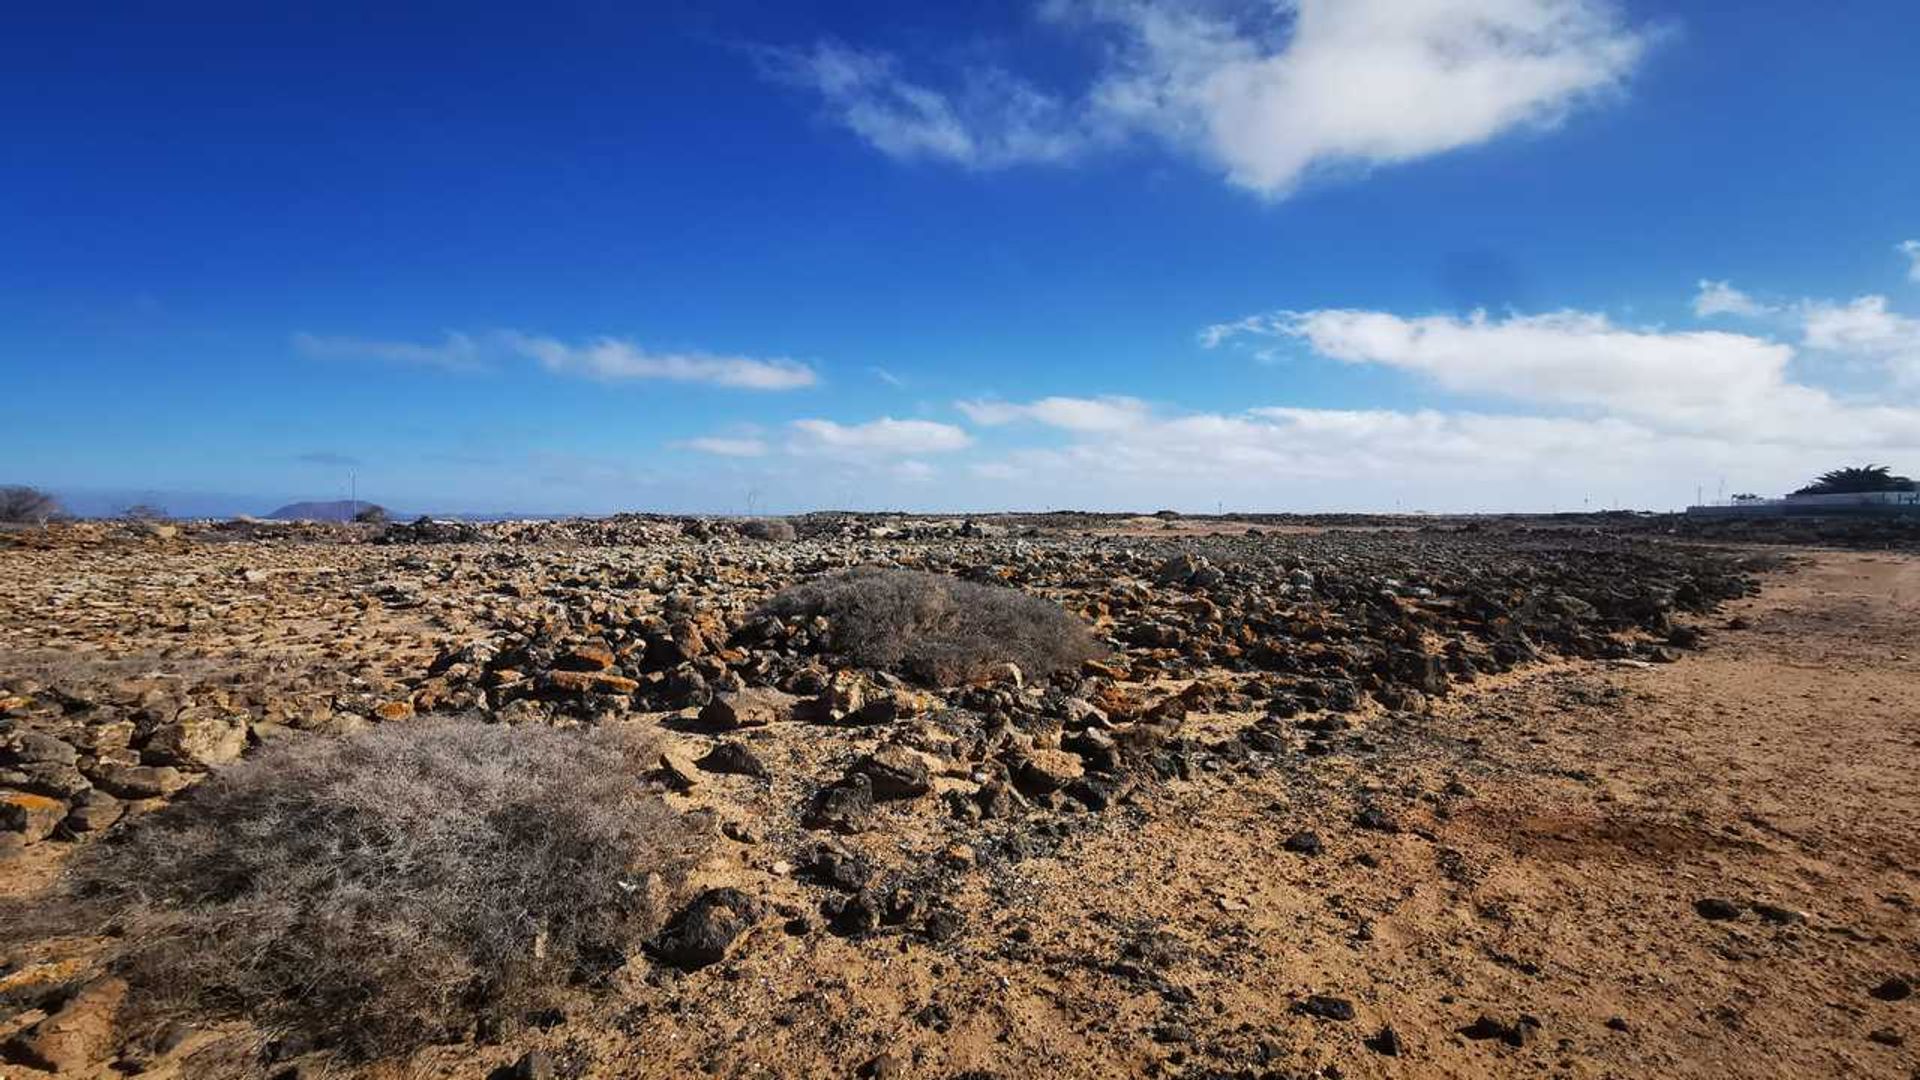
{"type": "Point", "coordinates": [337, 510]}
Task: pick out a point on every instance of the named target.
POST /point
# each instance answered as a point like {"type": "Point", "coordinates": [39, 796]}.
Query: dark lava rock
{"type": "Point", "coordinates": [533, 1065]}
{"type": "Point", "coordinates": [1886, 1037]}
{"type": "Point", "coordinates": [1716, 909]}
{"type": "Point", "coordinates": [1386, 1043]}
{"type": "Point", "coordinates": [705, 929]}
{"type": "Point", "coordinates": [943, 924]}
{"type": "Point", "coordinates": [1518, 1033]}
{"type": "Point", "coordinates": [1377, 820]}
{"type": "Point", "coordinates": [846, 807]}
{"type": "Point", "coordinates": [1305, 842]}
{"type": "Point", "coordinates": [1265, 740]}
{"type": "Point", "coordinates": [837, 866]}
{"type": "Point", "coordinates": [1894, 989]}
{"type": "Point", "coordinates": [851, 916]}
{"type": "Point", "coordinates": [1093, 792]}
{"type": "Point", "coordinates": [896, 773]}
{"type": "Point", "coordinates": [996, 801]}
{"type": "Point", "coordinates": [735, 758]}
{"type": "Point", "coordinates": [93, 812]}
{"type": "Point", "coordinates": [1325, 1007]}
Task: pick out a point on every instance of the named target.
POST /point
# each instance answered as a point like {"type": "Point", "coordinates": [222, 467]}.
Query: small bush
{"type": "Point", "coordinates": [767, 529]}
{"type": "Point", "coordinates": [936, 629]}
{"type": "Point", "coordinates": [381, 891]}
{"type": "Point", "coordinates": [22, 505]}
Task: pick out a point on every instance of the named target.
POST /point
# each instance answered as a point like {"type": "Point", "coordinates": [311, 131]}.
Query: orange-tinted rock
{"type": "Point", "coordinates": [34, 817]}
{"type": "Point", "coordinates": [592, 682]}
{"type": "Point", "coordinates": [394, 710]}
{"type": "Point", "coordinates": [588, 656]}
{"type": "Point", "coordinates": [79, 1035]}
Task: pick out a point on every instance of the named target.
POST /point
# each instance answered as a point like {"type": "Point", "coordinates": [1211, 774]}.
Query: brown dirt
{"type": "Point", "coordinates": [1557, 826]}
{"type": "Point", "coordinates": [1590, 806]}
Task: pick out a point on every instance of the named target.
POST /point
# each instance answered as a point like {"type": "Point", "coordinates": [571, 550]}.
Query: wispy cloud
{"type": "Point", "coordinates": [1865, 332]}
{"type": "Point", "coordinates": [1721, 298]}
{"type": "Point", "coordinates": [1111, 413]}
{"type": "Point", "coordinates": [457, 352]}
{"type": "Point", "coordinates": [328, 459]}
{"type": "Point", "coordinates": [991, 120]}
{"type": "Point", "coordinates": [725, 446]}
{"type": "Point", "coordinates": [875, 438]}
{"type": "Point", "coordinates": [1911, 249]}
{"type": "Point", "coordinates": [1267, 93]}
{"type": "Point", "coordinates": [615, 360]}
{"type": "Point", "coordinates": [608, 359]}
{"type": "Point", "coordinates": [887, 377]}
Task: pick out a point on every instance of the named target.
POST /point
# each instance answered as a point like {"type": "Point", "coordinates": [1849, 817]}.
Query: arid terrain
{"type": "Point", "coordinates": [1334, 799]}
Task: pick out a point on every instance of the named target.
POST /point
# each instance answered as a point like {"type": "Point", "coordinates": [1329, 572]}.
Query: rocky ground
{"type": "Point", "coordinates": [1453, 801]}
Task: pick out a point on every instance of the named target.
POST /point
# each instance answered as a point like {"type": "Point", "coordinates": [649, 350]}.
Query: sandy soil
{"type": "Point", "coordinates": [1548, 835]}
{"type": "Point", "coordinates": [1557, 830]}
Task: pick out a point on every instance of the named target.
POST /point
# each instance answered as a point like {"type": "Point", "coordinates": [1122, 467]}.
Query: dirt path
{"type": "Point", "coordinates": [1557, 832]}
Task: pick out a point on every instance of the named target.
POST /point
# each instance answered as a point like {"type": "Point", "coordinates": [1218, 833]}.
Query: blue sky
{"type": "Point", "coordinates": [1371, 254]}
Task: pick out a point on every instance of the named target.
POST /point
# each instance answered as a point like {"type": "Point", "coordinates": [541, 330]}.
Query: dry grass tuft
{"type": "Point", "coordinates": [390, 889]}
{"type": "Point", "coordinates": [936, 629]}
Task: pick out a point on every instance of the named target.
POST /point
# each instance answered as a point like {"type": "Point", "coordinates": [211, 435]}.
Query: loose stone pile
{"type": "Point", "coordinates": [133, 661]}
{"type": "Point", "coordinates": [175, 654]}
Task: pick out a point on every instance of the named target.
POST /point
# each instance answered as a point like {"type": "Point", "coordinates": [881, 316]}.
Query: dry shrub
{"type": "Point", "coordinates": [386, 890]}
{"type": "Point", "coordinates": [22, 505]}
{"type": "Point", "coordinates": [936, 629]}
{"type": "Point", "coordinates": [767, 529]}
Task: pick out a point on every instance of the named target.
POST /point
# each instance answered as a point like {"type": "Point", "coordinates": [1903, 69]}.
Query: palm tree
{"type": "Point", "coordinates": [1857, 479]}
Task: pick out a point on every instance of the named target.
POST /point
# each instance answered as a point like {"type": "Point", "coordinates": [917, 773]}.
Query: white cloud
{"type": "Point", "coordinates": [727, 446]}
{"type": "Point", "coordinates": [1069, 413]}
{"type": "Point", "coordinates": [458, 352]}
{"type": "Point", "coordinates": [606, 358]}
{"type": "Point", "coordinates": [1358, 82]}
{"type": "Point", "coordinates": [1268, 93]}
{"type": "Point", "coordinates": [993, 120]}
{"type": "Point", "coordinates": [1705, 382]}
{"type": "Point", "coordinates": [1864, 328]}
{"type": "Point", "coordinates": [1911, 249]}
{"type": "Point", "coordinates": [875, 438]}
{"type": "Point", "coordinates": [914, 471]}
{"type": "Point", "coordinates": [887, 377]}
{"type": "Point", "coordinates": [1721, 298]}
{"type": "Point", "coordinates": [1605, 414]}
{"type": "Point", "coordinates": [1288, 458]}
{"type": "Point", "coordinates": [613, 359]}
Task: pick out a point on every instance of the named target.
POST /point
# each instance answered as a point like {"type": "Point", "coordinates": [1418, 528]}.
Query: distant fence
{"type": "Point", "coordinates": [1880, 503]}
